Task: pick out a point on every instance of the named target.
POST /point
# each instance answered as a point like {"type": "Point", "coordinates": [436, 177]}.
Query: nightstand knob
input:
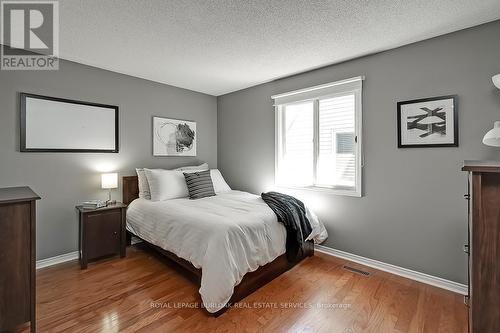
{"type": "Point", "coordinates": [115, 233]}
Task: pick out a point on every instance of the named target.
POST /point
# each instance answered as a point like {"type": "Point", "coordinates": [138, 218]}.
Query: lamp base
{"type": "Point", "coordinates": [109, 201]}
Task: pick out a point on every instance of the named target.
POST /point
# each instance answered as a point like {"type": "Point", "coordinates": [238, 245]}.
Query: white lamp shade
{"type": "Point", "coordinates": [492, 138]}
{"type": "Point", "coordinates": [109, 180]}
{"type": "Point", "coordinates": [496, 80]}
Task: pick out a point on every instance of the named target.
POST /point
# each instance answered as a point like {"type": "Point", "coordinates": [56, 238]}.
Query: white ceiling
{"type": "Point", "coordinates": [219, 46]}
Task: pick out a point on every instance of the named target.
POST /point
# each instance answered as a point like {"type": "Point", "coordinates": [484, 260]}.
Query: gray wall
{"type": "Point", "coordinates": [412, 213]}
{"type": "Point", "coordinates": [64, 179]}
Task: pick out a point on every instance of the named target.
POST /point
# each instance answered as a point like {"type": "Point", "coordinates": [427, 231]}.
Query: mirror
{"type": "Point", "coordinates": [50, 124]}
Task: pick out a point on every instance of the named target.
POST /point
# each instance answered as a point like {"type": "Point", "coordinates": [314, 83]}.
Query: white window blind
{"type": "Point", "coordinates": [336, 158]}
{"type": "Point", "coordinates": [298, 148]}
{"type": "Point", "coordinates": [319, 138]}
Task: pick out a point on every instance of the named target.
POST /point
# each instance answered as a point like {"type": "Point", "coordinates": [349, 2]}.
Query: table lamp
{"type": "Point", "coordinates": [496, 80]}
{"type": "Point", "coordinates": [492, 138]}
{"type": "Point", "coordinates": [109, 181]}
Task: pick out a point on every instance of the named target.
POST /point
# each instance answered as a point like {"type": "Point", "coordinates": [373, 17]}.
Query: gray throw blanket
{"type": "Point", "coordinates": [292, 213]}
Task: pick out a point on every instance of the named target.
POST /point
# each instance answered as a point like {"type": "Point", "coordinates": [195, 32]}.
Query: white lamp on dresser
{"type": "Point", "coordinates": [492, 138]}
{"type": "Point", "coordinates": [496, 80]}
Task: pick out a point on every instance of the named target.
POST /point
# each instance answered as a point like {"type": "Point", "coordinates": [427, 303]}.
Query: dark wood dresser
{"type": "Point", "coordinates": [17, 257]}
{"type": "Point", "coordinates": [484, 246]}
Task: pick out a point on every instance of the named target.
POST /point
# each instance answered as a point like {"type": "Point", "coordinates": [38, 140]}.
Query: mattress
{"type": "Point", "coordinates": [226, 236]}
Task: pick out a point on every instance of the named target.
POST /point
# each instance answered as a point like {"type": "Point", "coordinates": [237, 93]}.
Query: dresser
{"type": "Point", "coordinates": [483, 248]}
{"type": "Point", "coordinates": [17, 257]}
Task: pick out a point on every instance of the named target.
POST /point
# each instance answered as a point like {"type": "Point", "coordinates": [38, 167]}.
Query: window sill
{"type": "Point", "coordinates": [326, 190]}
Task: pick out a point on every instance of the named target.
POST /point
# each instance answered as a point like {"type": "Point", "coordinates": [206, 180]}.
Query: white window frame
{"type": "Point", "coordinates": [329, 90]}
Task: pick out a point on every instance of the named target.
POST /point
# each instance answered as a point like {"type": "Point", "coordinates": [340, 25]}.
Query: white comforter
{"type": "Point", "coordinates": [227, 236]}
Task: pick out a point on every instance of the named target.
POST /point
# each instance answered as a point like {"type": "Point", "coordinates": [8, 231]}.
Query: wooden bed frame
{"type": "Point", "coordinates": [250, 282]}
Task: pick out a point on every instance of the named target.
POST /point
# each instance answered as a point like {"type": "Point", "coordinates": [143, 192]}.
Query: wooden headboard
{"type": "Point", "coordinates": [130, 189]}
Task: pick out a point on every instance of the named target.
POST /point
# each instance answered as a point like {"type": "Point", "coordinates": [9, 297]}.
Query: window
{"type": "Point", "coordinates": [318, 137]}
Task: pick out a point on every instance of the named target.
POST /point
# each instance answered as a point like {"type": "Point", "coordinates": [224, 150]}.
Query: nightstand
{"type": "Point", "coordinates": [102, 232]}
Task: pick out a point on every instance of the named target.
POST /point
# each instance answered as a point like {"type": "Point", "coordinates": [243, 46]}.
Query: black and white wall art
{"type": "Point", "coordinates": [173, 137]}
{"type": "Point", "coordinates": [429, 122]}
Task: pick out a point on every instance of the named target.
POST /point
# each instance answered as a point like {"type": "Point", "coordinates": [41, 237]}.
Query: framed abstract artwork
{"type": "Point", "coordinates": [429, 122]}
{"type": "Point", "coordinates": [174, 137]}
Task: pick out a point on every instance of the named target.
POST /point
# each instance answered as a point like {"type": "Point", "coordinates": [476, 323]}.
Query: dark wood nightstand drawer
{"type": "Point", "coordinates": [102, 232]}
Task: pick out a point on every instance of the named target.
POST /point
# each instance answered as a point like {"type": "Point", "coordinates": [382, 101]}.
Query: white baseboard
{"type": "Point", "coordinates": [404, 272]}
{"type": "Point", "coordinates": [56, 260]}
{"type": "Point", "coordinates": [68, 257]}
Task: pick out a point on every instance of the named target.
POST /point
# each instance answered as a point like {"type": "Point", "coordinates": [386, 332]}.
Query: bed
{"type": "Point", "coordinates": [236, 240]}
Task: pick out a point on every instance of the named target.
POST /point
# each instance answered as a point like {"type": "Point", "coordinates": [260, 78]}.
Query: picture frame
{"type": "Point", "coordinates": [174, 137]}
{"type": "Point", "coordinates": [428, 122]}
{"type": "Point", "coordinates": [60, 125]}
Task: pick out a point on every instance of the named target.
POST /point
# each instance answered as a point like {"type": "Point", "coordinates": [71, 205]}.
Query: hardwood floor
{"type": "Point", "coordinates": [141, 294]}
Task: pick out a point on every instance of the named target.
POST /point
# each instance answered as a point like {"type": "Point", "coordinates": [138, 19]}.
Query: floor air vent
{"type": "Point", "coordinates": [357, 271]}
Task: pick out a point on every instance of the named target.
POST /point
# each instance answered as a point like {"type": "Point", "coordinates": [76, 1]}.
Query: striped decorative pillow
{"type": "Point", "coordinates": [199, 184]}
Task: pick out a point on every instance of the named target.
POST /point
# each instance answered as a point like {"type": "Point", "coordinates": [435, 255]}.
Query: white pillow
{"type": "Point", "coordinates": [144, 191]}
{"type": "Point", "coordinates": [194, 168]}
{"type": "Point", "coordinates": [166, 184]}
{"type": "Point", "coordinates": [143, 184]}
{"type": "Point", "coordinates": [220, 184]}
